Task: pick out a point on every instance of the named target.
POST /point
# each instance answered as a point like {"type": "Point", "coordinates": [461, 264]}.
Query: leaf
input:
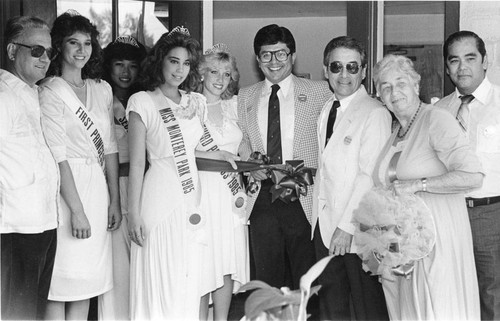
{"type": "Point", "coordinates": [252, 285]}
{"type": "Point", "coordinates": [264, 299]}
{"type": "Point", "coordinates": [312, 274]}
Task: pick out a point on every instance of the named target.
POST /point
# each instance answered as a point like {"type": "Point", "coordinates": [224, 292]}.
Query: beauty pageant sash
{"type": "Point", "coordinates": [184, 173]}
{"type": "Point", "coordinates": [66, 94]}
{"type": "Point", "coordinates": [239, 199]}
{"type": "Point", "coordinates": [119, 113]}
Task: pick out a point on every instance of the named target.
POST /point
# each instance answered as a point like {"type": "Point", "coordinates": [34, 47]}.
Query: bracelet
{"type": "Point", "coordinates": [424, 184]}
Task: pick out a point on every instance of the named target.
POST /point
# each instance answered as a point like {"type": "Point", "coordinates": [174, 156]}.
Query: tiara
{"type": "Point", "coordinates": [179, 29]}
{"type": "Point", "coordinates": [73, 12]}
{"type": "Point", "coordinates": [220, 47]}
{"type": "Point", "coordinates": [128, 40]}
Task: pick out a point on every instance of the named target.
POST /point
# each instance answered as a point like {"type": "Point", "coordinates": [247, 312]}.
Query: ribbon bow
{"type": "Point", "coordinates": [290, 181]}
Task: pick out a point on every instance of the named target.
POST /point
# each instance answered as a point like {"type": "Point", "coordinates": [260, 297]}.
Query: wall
{"type": "Point", "coordinates": [415, 29]}
{"type": "Point", "coordinates": [238, 34]}
{"type": "Point", "coordinates": [483, 18]}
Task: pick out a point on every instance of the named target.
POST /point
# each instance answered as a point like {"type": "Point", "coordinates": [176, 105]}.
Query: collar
{"type": "Point", "coordinates": [285, 86]}
{"type": "Point", "coordinates": [14, 83]}
{"type": "Point", "coordinates": [481, 92]}
{"type": "Point", "coordinates": [344, 103]}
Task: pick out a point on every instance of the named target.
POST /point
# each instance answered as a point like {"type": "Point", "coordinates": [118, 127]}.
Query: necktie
{"type": "Point", "coordinates": [331, 120]}
{"type": "Point", "coordinates": [273, 127]}
{"type": "Point", "coordinates": [463, 111]}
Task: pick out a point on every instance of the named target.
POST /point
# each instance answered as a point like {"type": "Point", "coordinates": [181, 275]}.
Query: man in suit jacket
{"type": "Point", "coordinates": [352, 130]}
{"type": "Point", "coordinates": [466, 62]}
{"type": "Point", "coordinates": [280, 232]}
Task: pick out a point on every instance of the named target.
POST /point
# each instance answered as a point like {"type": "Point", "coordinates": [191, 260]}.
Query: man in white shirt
{"type": "Point", "coordinates": [352, 130]}
{"type": "Point", "coordinates": [29, 177]}
{"type": "Point", "coordinates": [278, 117]}
{"type": "Point", "coordinates": [476, 105]}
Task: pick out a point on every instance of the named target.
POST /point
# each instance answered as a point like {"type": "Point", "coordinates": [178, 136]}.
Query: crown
{"type": "Point", "coordinates": [73, 12]}
{"type": "Point", "coordinates": [179, 29]}
{"type": "Point", "coordinates": [128, 40]}
{"type": "Point", "coordinates": [220, 47]}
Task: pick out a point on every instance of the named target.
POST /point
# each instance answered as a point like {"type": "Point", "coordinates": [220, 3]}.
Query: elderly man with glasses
{"type": "Point", "coordinates": [278, 117]}
{"type": "Point", "coordinates": [29, 177]}
{"type": "Point", "coordinates": [352, 129]}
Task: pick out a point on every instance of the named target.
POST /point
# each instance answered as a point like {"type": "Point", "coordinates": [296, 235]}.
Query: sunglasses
{"type": "Point", "coordinates": [37, 51]}
{"type": "Point", "coordinates": [352, 67]}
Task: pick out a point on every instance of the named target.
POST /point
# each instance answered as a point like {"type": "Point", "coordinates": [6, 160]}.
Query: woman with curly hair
{"type": "Point", "coordinates": [227, 253]}
{"type": "Point", "coordinates": [164, 218]}
{"type": "Point", "coordinates": [77, 113]}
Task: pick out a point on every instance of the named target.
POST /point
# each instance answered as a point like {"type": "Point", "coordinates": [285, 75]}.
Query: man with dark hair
{"type": "Point", "coordinates": [278, 117]}
{"type": "Point", "coordinates": [29, 177]}
{"type": "Point", "coordinates": [476, 105]}
{"type": "Point", "coordinates": [352, 130]}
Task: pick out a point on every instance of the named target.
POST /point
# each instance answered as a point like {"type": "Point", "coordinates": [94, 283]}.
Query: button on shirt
{"type": "Point", "coordinates": [29, 176]}
{"type": "Point", "coordinates": [287, 115]}
{"type": "Point", "coordinates": [484, 135]}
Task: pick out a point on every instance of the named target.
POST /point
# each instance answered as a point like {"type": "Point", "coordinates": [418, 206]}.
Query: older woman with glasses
{"type": "Point", "coordinates": [428, 155]}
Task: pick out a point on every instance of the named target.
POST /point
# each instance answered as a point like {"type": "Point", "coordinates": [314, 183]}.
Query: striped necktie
{"type": "Point", "coordinates": [463, 111]}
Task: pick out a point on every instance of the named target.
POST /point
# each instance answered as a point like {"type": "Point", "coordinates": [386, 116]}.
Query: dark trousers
{"type": "Point", "coordinates": [27, 264]}
{"type": "Point", "coordinates": [281, 243]}
{"type": "Point", "coordinates": [345, 286]}
{"type": "Point", "coordinates": [485, 225]}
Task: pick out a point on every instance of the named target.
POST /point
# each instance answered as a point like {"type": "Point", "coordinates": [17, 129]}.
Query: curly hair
{"type": "Point", "coordinates": [66, 25]}
{"type": "Point", "coordinates": [211, 59]}
{"type": "Point", "coordinates": [397, 62]}
{"type": "Point", "coordinates": [122, 51]}
{"type": "Point", "coordinates": [152, 67]}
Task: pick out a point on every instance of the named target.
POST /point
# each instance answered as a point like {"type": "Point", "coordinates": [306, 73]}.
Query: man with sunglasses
{"type": "Point", "coordinates": [352, 130]}
{"type": "Point", "coordinates": [278, 117]}
{"type": "Point", "coordinates": [29, 177]}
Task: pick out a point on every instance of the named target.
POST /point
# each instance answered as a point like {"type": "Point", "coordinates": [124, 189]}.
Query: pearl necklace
{"type": "Point", "coordinates": [411, 123]}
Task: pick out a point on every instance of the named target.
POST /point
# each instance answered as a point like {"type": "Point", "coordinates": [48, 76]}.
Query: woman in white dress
{"type": "Point", "coordinates": [164, 217]}
{"type": "Point", "coordinates": [227, 256]}
{"type": "Point", "coordinates": [122, 59]}
{"type": "Point", "coordinates": [428, 155]}
{"type": "Point", "coordinates": [77, 121]}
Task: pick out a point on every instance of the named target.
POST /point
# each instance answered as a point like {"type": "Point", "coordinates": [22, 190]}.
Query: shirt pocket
{"type": "Point", "coordinates": [488, 138]}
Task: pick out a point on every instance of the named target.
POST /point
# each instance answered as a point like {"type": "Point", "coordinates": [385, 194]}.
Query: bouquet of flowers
{"type": "Point", "coordinates": [392, 232]}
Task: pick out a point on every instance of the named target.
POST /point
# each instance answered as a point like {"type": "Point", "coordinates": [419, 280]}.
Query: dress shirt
{"type": "Point", "coordinates": [29, 175]}
{"type": "Point", "coordinates": [287, 115]}
{"type": "Point", "coordinates": [344, 103]}
{"type": "Point", "coordinates": [484, 135]}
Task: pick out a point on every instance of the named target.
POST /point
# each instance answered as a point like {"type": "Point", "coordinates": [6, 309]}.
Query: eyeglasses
{"type": "Point", "coordinates": [37, 50]}
{"type": "Point", "coordinates": [352, 67]}
{"type": "Point", "coordinates": [280, 55]}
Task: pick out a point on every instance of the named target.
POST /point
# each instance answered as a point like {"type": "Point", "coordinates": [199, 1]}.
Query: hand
{"type": "Point", "coordinates": [136, 229]}
{"type": "Point", "coordinates": [340, 243]}
{"type": "Point", "coordinates": [80, 225]}
{"type": "Point", "coordinates": [260, 174]}
{"type": "Point", "coordinates": [400, 187]}
{"type": "Point", "coordinates": [229, 157]}
{"type": "Point", "coordinates": [114, 217]}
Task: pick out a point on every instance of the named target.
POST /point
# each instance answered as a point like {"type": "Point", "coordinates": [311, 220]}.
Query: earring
{"type": "Point", "coordinates": [202, 78]}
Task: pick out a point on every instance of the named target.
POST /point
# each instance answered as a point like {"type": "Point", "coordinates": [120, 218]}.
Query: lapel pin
{"type": "Point", "coordinates": [302, 98]}
{"type": "Point", "coordinates": [347, 140]}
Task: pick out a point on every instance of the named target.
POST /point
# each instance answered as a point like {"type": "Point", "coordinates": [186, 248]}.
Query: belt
{"type": "Point", "coordinates": [124, 168]}
{"type": "Point", "coordinates": [474, 202]}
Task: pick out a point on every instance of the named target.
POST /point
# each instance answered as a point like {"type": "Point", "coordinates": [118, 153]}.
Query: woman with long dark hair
{"type": "Point", "coordinates": [77, 121]}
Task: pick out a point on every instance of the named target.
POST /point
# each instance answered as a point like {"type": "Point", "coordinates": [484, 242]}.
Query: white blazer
{"type": "Point", "coordinates": [346, 164]}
